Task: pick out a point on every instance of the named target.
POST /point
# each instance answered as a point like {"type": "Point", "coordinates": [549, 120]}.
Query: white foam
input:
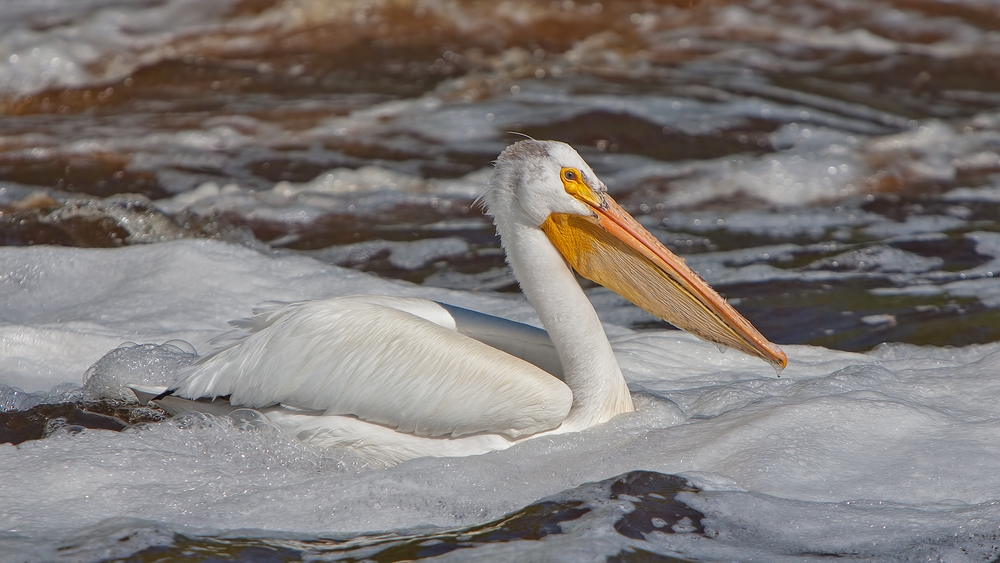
{"type": "Point", "coordinates": [905, 425]}
{"type": "Point", "coordinates": [143, 364]}
{"type": "Point", "coordinates": [879, 258]}
{"type": "Point", "coordinates": [367, 190]}
{"type": "Point", "coordinates": [65, 308]}
{"type": "Point", "coordinates": [405, 255]}
{"type": "Point", "coordinates": [933, 225]}
{"type": "Point", "coordinates": [981, 282]}
{"type": "Point", "coordinates": [818, 167]}
{"type": "Point", "coordinates": [813, 223]}
{"type": "Point", "coordinates": [988, 194]}
{"type": "Point", "coordinates": [52, 44]}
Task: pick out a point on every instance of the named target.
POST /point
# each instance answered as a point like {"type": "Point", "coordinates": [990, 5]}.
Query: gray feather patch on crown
{"type": "Point", "coordinates": [524, 149]}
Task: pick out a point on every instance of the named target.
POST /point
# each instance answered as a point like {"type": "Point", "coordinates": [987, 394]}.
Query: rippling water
{"type": "Point", "coordinates": [832, 167]}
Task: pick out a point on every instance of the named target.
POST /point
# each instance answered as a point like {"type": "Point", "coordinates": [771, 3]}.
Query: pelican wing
{"type": "Point", "coordinates": [529, 343]}
{"type": "Point", "coordinates": [381, 364]}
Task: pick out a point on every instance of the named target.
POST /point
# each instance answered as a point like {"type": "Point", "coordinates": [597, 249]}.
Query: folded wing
{"type": "Point", "coordinates": [368, 358]}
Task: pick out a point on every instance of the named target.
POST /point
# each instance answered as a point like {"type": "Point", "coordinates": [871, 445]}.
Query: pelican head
{"type": "Point", "coordinates": [534, 178]}
{"type": "Point", "coordinates": [547, 186]}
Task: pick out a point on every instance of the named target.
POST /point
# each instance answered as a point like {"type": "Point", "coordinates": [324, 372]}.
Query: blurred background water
{"type": "Point", "coordinates": [831, 166]}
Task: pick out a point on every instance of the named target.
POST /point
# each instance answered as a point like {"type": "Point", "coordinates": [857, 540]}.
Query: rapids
{"type": "Point", "coordinates": [832, 167]}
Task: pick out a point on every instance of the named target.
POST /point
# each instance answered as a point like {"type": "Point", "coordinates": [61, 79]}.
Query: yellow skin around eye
{"type": "Point", "coordinates": [574, 185]}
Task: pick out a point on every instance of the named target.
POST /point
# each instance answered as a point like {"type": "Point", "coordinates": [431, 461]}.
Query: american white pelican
{"type": "Point", "coordinates": [398, 378]}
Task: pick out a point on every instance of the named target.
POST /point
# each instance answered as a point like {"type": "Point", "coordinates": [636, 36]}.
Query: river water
{"type": "Point", "coordinates": [831, 166]}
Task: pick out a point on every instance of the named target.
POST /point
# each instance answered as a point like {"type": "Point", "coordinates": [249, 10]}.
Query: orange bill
{"type": "Point", "coordinates": [614, 250]}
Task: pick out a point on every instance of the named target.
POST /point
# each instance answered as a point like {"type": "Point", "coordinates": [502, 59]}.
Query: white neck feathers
{"type": "Point", "coordinates": [589, 365]}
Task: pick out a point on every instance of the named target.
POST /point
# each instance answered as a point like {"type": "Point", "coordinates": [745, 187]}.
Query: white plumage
{"type": "Point", "coordinates": [381, 360]}
{"type": "Point", "coordinates": [396, 378]}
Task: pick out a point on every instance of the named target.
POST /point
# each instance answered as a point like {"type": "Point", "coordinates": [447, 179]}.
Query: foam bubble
{"type": "Point", "coordinates": [143, 364]}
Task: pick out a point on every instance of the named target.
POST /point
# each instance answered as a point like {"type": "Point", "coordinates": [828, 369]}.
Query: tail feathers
{"type": "Point", "coordinates": [163, 398]}
{"type": "Point", "coordinates": [147, 393]}
{"type": "Point", "coordinates": [263, 317]}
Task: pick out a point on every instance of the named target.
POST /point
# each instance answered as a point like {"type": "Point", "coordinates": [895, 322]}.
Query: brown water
{"type": "Point", "coordinates": [717, 124]}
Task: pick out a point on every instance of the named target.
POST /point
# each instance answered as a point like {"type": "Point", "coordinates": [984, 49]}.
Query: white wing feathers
{"type": "Point", "coordinates": [392, 361]}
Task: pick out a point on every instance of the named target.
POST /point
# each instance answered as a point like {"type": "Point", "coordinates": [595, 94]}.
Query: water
{"type": "Point", "coordinates": [833, 168]}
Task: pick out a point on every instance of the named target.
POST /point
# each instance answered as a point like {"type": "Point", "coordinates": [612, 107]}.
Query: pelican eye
{"type": "Point", "coordinates": [574, 185]}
